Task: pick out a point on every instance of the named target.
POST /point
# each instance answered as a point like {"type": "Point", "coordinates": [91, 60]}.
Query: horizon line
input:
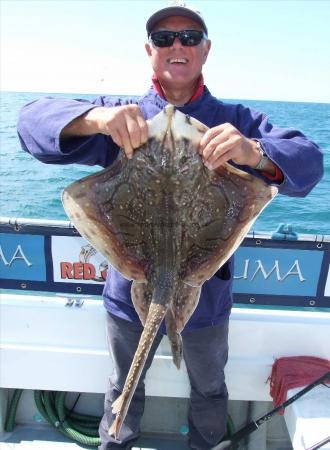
{"type": "Point", "coordinates": [139, 95]}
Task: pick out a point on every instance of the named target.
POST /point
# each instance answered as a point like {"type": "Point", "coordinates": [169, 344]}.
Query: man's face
{"type": "Point", "coordinates": [177, 66]}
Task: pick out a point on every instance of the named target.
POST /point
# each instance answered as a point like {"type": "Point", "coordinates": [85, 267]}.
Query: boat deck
{"type": "Point", "coordinates": [44, 437]}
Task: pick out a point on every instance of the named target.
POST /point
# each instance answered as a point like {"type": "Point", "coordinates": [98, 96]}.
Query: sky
{"type": "Point", "coordinates": [261, 49]}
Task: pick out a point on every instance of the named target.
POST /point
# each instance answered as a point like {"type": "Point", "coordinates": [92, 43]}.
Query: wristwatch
{"type": "Point", "coordinates": [263, 157]}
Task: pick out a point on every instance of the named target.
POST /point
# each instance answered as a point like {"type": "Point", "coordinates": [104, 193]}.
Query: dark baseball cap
{"type": "Point", "coordinates": [176, 10]}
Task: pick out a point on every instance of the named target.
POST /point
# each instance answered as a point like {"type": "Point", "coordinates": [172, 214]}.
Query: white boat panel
{"type": "Point", "coordinates": [47, 345]}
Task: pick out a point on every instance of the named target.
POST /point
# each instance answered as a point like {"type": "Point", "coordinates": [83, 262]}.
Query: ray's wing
{"type": "Point", "coordinates": [103, 207]}
{"type": "Point", "coordinates": [221, 217]}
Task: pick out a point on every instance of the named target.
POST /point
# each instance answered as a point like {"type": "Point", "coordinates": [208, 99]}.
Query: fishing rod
{"type": "Point", "coordinates": [320, 444]}
{"type": "Point", "coordinates": [231, 443]}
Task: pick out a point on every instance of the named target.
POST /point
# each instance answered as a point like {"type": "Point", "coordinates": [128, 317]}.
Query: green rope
{"type": "Point", "coordinates": [50, 409]}
{"type": "Point", "coordinates": [38, 399]}
{"type": "Point", "coordinates": [70, 428]}
{"type": "Point", "coordinates": [81, 428]}
{"type": "Point", "coordinates": [12, 409]}
{"type": "Point", "coordinates": [230, 426]}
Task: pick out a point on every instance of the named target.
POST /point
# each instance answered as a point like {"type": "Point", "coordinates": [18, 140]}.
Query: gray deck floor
{"type": "Point", "coordinates": [45, 438]}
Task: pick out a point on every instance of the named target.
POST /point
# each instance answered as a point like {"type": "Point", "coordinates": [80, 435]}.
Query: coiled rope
{"type": "Point", "coordinates": [81, 428]}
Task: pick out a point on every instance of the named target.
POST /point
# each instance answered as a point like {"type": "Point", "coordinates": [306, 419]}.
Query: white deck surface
{"type": "Point", "coordinates": [308, 420]}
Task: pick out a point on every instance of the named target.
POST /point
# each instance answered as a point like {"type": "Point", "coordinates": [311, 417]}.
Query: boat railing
{"type": "Point", "coordinates": [279, 269]}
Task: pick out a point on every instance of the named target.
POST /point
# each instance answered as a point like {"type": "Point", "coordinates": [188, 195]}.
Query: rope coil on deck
{"type": "Point", "coordinates": [81, 428]}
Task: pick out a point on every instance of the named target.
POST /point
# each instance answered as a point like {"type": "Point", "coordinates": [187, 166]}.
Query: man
{"type": "Point", "coordinates": [66, 131]}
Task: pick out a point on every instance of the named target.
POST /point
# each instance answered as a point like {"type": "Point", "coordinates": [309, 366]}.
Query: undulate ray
{"type": "Point", "coordinates": [168, 223]}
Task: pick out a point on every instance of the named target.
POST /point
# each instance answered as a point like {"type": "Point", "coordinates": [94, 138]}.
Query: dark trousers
{"type": "Point", "coordinates": [205, 352]}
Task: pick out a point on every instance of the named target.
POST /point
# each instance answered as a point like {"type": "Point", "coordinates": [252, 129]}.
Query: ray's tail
{"type": "Point", "coordinates": [120, 406]}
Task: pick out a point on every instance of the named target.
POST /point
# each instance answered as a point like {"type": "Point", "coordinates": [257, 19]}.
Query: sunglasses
{"type": "Point", "coordinates": [188, 38]}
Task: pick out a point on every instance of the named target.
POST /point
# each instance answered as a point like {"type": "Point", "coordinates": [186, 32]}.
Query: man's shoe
{"type": "Point", "coordinates": [127, 446]}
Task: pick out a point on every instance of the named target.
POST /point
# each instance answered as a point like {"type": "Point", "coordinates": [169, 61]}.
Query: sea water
{"type": "Point", "coordinates": [31, 189]}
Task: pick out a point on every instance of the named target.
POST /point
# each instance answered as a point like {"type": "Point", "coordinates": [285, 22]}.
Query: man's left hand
{"type": "Point", "coordinates": [223, 143]}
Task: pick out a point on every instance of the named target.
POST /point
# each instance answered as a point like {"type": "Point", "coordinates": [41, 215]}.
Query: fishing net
{"type": "Point", "coordinates": [293, 372]}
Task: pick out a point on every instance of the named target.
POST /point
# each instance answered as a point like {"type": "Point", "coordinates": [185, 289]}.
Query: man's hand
{"type": "Point", "coordinates": [224, 142]}
{"type": "Point", "coordinates": [125, 124]}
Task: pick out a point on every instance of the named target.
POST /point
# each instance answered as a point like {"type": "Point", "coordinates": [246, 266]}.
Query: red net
{"type": "Point", "coordinates": [293, 372]}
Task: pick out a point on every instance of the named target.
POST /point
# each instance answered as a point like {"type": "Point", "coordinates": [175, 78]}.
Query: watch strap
{"type": "Point", "coordinates": [263, 157]}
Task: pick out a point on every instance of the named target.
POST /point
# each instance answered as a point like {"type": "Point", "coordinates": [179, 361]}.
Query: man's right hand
{"type": "Point", "coordinates": [125, 124]}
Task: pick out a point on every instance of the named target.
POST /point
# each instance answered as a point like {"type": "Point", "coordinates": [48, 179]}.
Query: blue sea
{"type": "Point", "coordinates": [30, 189]}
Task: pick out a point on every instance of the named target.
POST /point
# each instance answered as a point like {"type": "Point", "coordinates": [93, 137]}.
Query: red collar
{"type": "Point", "coordinates": [199, 90]}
